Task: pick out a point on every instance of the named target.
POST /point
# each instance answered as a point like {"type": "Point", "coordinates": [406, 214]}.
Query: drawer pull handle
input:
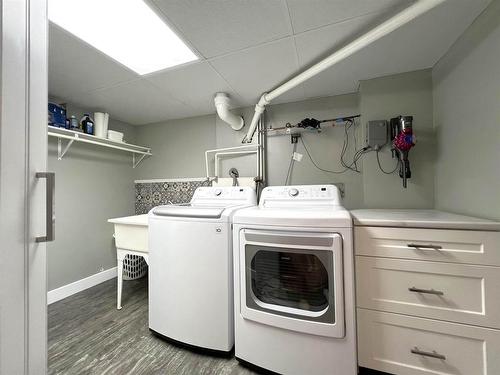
{"type": "Point", "coordinates": [426, 291]}
{"type": "Point", "coordinates": [432, 354]}
{"type": "Point", "coordinates": [430, 246]}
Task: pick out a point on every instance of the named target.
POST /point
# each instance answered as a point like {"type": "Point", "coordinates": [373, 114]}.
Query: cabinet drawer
{"type": "Point", "coordinates": [454, 292]}
{"type": "Point", "coordinates": [440, 245]}
{"type": "Point", "coordinates": [405, 345]}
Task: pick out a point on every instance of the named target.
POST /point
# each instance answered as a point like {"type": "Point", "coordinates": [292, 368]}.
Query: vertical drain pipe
{"type": "Point", "coordinates": [262, 155]}
{"type": "Point", "coordinates": [259, 179]}
{"type": "Point", "coordinates": [393, 23]}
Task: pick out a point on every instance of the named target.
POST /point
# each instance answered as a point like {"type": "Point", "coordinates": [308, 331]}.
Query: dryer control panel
{"type": "Point", "coordinates": [311, 195]}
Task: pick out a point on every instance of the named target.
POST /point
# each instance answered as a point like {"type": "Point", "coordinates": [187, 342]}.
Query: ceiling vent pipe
{"type": "Point", "coordinates": [221, 101]}
{"type": "Point", "coordinates": [387, 27]}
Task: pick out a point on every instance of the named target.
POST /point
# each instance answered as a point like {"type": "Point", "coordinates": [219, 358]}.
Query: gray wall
{"type": "Point", "coordinates": [179, 146]}
{"type": "Point", "coordinates": [467, 120]}
{"type": "Point", "coordinates": [93, 184]}
{"type": "Point", "coordinates": [324, 147]}
{"type": "Point", "coordinates": [387, 97]}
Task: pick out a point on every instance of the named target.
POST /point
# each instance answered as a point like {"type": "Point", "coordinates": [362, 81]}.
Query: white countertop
{"type": "Point", "coordinates": [131, 220]}
{"type": "Point", "coordinates": [420, 219]}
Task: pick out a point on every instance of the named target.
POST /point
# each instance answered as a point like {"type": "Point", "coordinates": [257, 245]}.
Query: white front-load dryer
{"type": "Point", "coordinates": [294, 282]}
{"type": "Point", "coordinates": [190, 268]}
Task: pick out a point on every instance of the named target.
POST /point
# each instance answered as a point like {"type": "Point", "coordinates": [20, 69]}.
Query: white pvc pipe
{"type": "Point", "coordinates": [207, 169]}
{"type": "Point", "coordinates": [400, 19]}
{"type": "Point", "coordinates": [221, 101]}
{"type": "Point", "coordinates": [216, 157]}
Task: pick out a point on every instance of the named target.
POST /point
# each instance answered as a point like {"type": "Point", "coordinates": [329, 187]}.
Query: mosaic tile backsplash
{"type": "Point", "coordinates": [152, 194]}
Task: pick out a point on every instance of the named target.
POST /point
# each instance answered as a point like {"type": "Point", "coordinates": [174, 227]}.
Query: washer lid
{"type": "Point", "coordinates": [206, 212]}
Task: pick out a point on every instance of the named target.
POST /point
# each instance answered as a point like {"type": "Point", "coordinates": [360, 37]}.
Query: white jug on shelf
{"type": "Point", "coordinates": [101, 120]}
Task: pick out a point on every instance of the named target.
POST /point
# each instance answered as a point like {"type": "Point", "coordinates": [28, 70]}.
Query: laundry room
{"type": "Point", "coordinates": [251, 187]}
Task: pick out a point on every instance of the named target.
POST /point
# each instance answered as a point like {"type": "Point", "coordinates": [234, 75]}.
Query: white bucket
{"type": "Point", "coordinates": [101, 124]}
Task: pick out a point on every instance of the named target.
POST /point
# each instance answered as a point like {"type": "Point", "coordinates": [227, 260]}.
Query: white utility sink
{"type": "Point", "coordinates": [131, 232]}
{"type": "Point", "coordinates": [131, 238]}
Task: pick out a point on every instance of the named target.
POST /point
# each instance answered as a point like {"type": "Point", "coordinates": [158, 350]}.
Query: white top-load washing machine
{"type": "Point", "coordinates": [190, 268]}
{"type": "Point", "coordinates": [294, 282]}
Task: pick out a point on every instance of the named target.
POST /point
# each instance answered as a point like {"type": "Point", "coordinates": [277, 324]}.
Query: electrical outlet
{"type": "Point", "coordinates": [297, 156]}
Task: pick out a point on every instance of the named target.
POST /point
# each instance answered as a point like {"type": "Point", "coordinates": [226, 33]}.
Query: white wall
{"type": "Point", "coordinates": [93, 184]}
{"type": "Point", "coordinates": [467, 119]}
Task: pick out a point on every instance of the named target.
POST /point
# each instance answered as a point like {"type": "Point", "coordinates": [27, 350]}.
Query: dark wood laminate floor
{"type": "Point", "coordinates": [87, 335]}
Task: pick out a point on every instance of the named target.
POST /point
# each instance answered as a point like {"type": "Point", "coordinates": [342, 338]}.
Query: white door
{"type": "Point", "coordinates": [23, 153]}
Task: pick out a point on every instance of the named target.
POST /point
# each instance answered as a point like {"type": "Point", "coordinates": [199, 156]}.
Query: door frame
{"type": "Point", "coordinates": [23, 153]}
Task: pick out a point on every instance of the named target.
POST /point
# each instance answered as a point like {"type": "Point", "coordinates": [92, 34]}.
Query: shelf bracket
{"type": "Point", "coordinates": [135, 162]}
{"type": "Point", "coordinates": [60, 151]}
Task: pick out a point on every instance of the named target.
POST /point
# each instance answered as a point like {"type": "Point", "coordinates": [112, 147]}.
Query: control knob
{"type": "Point", "coordinates": [293, 192]}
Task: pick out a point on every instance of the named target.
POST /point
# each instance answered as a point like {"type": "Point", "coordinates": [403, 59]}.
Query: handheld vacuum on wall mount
{"type": "Point", "coordinates": [402, 141]}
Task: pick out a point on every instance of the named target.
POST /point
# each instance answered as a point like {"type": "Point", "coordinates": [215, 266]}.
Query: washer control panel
{"type": "Point", "coordinates": [206, 194]}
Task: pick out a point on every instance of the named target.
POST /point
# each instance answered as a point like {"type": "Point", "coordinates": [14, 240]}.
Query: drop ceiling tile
{"type": "Point", "coordinates": [294, 95]}
{"type": "Point", "coordinates": [139, 102]}
{"type": "Point", "coordinates": [314, 45]}
{"type": "Point", "coordinates": [222, 26]}
{"type": "Point", "coordinates": [195, 84]}
{"type": "Point", "coordinates": [417, 45]}
{"type": "Point", "coordinates": [76, 67]}
{"type": "Point", "coordinates": [260, 69]}
{"type": "Point", "coordinates": [311, 14]}
{"type": "Point", "coordinates": [90, 101]}
{"type": "Point", "coordinates": [80, 74]}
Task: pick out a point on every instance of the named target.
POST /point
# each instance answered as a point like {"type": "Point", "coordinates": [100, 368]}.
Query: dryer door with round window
{"type": "Point", "coordinates": [293, 280]}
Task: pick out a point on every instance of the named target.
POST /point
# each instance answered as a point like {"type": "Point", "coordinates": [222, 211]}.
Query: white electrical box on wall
{"type": "Point", "coordinates": [376, 134]}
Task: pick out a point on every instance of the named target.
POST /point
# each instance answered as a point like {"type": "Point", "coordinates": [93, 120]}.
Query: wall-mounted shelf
{"type": "Point", "coordinates": [138, 152]}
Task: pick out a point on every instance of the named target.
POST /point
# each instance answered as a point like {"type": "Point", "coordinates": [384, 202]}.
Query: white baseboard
{"type": "Point", "coordinates": [64, 291]}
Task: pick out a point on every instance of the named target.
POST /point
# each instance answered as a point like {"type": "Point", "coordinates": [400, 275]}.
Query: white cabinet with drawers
{"type": "Point", "coordinates": [427, 292]}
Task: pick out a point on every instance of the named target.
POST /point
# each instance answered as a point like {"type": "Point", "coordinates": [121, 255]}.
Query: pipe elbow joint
{"type": "Point", "coordinates": [221, 102]}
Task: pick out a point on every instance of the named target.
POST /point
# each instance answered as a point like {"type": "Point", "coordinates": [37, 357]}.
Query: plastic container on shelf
{"type": "Point", "coordinates": [101, 124]}
{"type": "Point", "coordinates": [87, 124]}
{"type": "Point", "coordinates": [56, 115]}
{"type": "Point", "coordinates": [113, 135]}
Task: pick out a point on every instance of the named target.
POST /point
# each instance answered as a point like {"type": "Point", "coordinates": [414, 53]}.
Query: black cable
{"type": "Point", "coordinates": [316, 165]}
{"type": "Point", "coordinates": [290, 166]}
{"type": "Point", "coordinates": [355, 139]}
{"type": "Point", "coordinates": [382, 169]}
{"type": "Point", "coordinates": [345, 145]}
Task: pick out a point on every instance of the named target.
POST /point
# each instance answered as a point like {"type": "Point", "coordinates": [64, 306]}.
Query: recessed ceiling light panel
{"type": "Point", "coordinates": [128, 31]}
